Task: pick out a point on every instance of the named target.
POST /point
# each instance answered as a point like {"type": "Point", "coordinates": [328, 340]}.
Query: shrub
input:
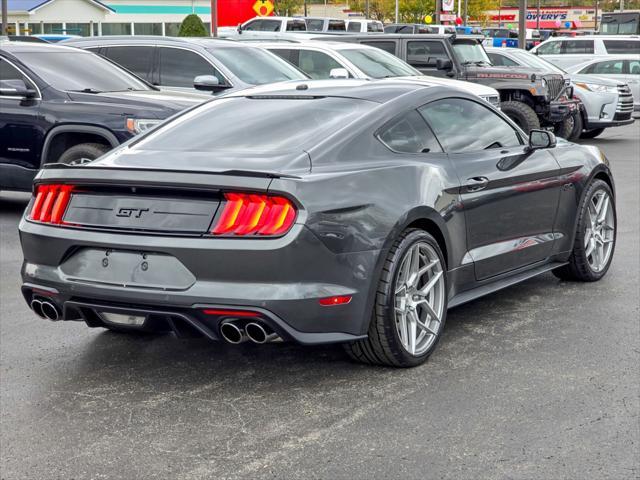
{"type": "Point", "coordinates": [192, 26]}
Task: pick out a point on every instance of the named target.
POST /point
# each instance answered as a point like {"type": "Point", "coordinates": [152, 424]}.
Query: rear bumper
{"type": "Point", "coordinates": [282, 279]}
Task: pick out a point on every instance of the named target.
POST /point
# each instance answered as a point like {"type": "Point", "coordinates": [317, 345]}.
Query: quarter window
{"type": "Point", "coordinates": [425, 53]}
{"type": "Point", "coordinates": [135, 59]}
{"type": "Point", "coordinates": [296, 26]}
{"type": "Point", "coordinates": [178, 67]}
{"type": "Point", "coordinates": [9, 72]}
{"type": "Point", "coordinates": [466, 126]}
{"type": "Point", "coordinates": [353, 27]}
{"type": "Point", "coordinates": [409, 133]}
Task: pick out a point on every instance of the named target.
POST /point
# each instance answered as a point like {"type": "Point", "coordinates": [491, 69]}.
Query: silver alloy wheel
{"type": "Point", "coordinates": [419, 298]}
{"type": "Point", "coordinates": [600, 231]}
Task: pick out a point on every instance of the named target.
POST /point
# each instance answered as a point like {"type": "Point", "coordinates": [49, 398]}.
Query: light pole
{"type": "Point", "coordinates": [522, 25]}
{"type": "Point", "coordinates": [397, 10]}
{"type": "Point", "coordinates": [538, 16]}
{"type": "Point", "coordinates": [3, 31]}
{"type": "Point", "coordinates": [214, 18]}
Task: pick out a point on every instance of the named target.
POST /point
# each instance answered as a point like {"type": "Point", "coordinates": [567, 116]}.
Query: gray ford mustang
{"type": "Point", "coordinates": [328, 211]}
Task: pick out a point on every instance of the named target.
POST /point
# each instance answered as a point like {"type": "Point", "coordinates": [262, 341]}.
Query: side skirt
{"type": "Point", "coordinates": [486, 289]}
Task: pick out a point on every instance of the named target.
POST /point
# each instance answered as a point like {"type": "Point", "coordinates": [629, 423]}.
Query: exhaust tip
{"type": "Point", "coordinates": [256, 332]}
{"type": "Point", "coordinates": [50, 311]}
{"type": "Point", "coordinates": [36, 306]}
{"type": "Point", "coordinates": [231, 333]}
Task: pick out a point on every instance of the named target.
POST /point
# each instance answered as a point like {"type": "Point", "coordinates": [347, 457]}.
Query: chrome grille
{"type": "Point", "coordinates": [555, 85]}
{"type": "Point", "coordinates": [625, 100]}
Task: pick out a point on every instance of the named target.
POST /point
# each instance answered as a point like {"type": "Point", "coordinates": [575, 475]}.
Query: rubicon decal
{"type": "Point", "coordinates": [503, 75]}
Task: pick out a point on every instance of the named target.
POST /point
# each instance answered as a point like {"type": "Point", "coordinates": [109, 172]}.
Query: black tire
{"type": "Point", "coordinates": [383, 345]}
{"type": "Point", "coordinates": [592, 133]}
{"type": "Point", "coordinates": [78, 153]}
{"type": "Point", "coordinates": [521, 114]}
{"type": "Point", "coordinates": [569, 129]}
{"type": "Point", "coordinates": [578, 268]}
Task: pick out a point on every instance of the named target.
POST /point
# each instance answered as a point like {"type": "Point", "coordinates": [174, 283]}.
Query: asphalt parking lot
{"type": "Point", "coordinates": [537, 381]}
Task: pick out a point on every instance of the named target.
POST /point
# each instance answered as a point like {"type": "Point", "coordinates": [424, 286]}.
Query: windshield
{"type": "Point", "coordinates": [470, 53]}
{"type": "Point", "coordinates": [531, 60]}
{"type": "Point", "coordinates": [90, 72]}
{"type": "Point", "coordinates": [255, 66]}
{"type": "Point", "coordinates": [376, 63]}
{"type": "Point", "coordinates": [256, 125]}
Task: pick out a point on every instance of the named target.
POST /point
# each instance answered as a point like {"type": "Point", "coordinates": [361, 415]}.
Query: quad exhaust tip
{"type": "Point", "coordinates": [258, 334]}
{"type": "Point", "coordinates": [45, 309]}
{"type": "Point", "coordinates": [232, 333]}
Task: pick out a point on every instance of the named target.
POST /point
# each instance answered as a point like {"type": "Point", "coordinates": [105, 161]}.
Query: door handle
{"type": "Point", "coordinates": [476, 184]}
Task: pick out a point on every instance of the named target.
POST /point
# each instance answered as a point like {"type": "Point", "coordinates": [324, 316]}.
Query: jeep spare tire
{"type": "Point", "coordinates": [522, 115]}
{"type": "Point", "coordinates": [79, 154]}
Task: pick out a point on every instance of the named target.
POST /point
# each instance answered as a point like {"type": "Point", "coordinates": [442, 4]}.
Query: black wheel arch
{"type": "Point", "coordinates": [86, 132]}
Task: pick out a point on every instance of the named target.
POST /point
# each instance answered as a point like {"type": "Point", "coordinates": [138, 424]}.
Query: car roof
{"type": "Point", "coordinates": [145, 39]}
{"type": "Point", "coordinates": [21, 47]}
{"type": "Point", "coordinates": [319, 44]}
{"type": "Point", "coordinates": [593, 37]}
{"type": "Point", "coordinates": [380, 91]}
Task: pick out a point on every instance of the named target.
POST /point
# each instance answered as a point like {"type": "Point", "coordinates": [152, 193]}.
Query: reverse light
{"type": "Point", "coordinates": [252, 214]}
{"type": "Point", "coordinates": [337, 300]}
{"type": "Point", "coordinates": [50, 204]}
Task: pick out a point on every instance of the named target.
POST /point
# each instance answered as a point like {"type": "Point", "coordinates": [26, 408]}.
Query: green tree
{"type": "Point", "coordinates": [287, 8]}
{"type": "Point", "coordinates": [383, 10]}
{"type": "Point", "coordinates": [477, 9]}
{"type": "Point", "coordinates": [192, 26]}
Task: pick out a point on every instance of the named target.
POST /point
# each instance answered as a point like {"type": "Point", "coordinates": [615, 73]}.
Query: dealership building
{"type": "Point", "coordinates": [118, 17]}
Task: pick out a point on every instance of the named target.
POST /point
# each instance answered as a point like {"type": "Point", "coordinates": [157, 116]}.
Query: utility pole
{"type": "Point", "coordinates": [366, 9]}
{"type": "Point", "coordinates": [438, 10]}
{"type": "Point", "coordinates": [5, 19]}
{"type": "Point", "coordinates": [397, 11]}
{"type": "Point", "coordinates": [595, 18]}
{"type": "Point", "coordinates": [522, 25]}
{"type": "Point", "coordinates": [538, 16]}
{"type": "Point", "coordinates": [466, 14]}
{"type": "Point", "coordinates": [214, 18]}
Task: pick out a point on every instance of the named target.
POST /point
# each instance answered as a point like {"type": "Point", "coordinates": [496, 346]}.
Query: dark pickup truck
{"type": "Point", "coordinates": [529, 98]}
{"type": "Point", "coordinates": [61, 104]}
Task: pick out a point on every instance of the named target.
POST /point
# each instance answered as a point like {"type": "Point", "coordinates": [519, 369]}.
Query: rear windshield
{"type": "Point", "coordinates": [255, 66]}
{"type": "Point", "coordinates": [246, 125]}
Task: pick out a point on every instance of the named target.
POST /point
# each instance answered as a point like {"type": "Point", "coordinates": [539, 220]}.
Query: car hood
{"type": "Point", "coordinates": [473, 88]}
{"type": "Point", "coordinates": [596, 79]}
{"type": "Point", "coordinates": [163, 101]}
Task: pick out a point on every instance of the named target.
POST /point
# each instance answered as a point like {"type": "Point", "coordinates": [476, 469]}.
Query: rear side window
{"type": "Point", "coordinates": [550, 48]}
{"type": "Point", "coordinates": [409, 133]}
{"type": "Point", "coordinates": [611, 67]}
{"type": "Point", "coordinates": [389, 47]}
{"type": "Point", "coordinates": [315, 25]}
{"type": "Point", "coordinates": [296, 26]}
{"type": "Point", "coordinates": [336, 26]}
{"type": "Point", "coordinates": [425, 53]}
{"type": "Point", "coordinates": [466, 126]}
{"type": "Point", "coordinates": [135, 59]}
{"type": "Point", "coordinates": [178, 67]}
{"type": "Point", "coordinates": [577, 46]}
{"type": "Point", "coordinates": [622, 46]}
{"type": "Point", "coordinates": [353, 27]}
{"type": "Point", "coordinates": [634, 67]}
{"type": "Point", "coordinates": [256, 126]}
{"type": "Point", "coordinates": [375, 27]}
{"type": "Point", "coordinates": [317, 65]}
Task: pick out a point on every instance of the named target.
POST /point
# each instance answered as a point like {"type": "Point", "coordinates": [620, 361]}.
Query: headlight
{"type": "Point", "coordinates": [139, 125]}
{"type": "Point", "coordinates": [594, 87]}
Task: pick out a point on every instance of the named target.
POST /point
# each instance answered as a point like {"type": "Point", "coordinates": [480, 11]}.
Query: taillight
{"type": "Point", "coordinates": [253, 214]}
{"type": "Point", "coordinates": [51, 202]}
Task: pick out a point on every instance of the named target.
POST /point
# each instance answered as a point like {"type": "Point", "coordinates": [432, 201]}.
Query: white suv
{"type": "Point", "coordinates": [565, 51]}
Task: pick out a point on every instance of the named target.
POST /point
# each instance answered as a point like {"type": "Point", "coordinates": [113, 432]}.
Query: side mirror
{"type": "Point", "coordinates": [208, 83]}
{"type": "Point", "coordinates": [539, 139]}
{"type": "Point", "coordinates": [16, 88]}
{"type": "Point", "coordinates": [444, 64]}
{"type": "Point", "coordinates": [339, 73]}
{"type": "Point", "coordinates": [239, 29]}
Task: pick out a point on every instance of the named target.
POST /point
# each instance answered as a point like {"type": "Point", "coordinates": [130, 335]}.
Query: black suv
{"type": "Point", "coordinates": [62, 104]}
{"type": "Point", "coordinates": [531, 98]}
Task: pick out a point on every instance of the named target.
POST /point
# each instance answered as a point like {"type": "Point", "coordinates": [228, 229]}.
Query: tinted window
{"type": "Point", "coordinates": [425, 53]}
{"type": "Point", "coordinates": [9, 72]}
{"type": "Point", "coordinates": [96, 74]}
{"type": "Point", "coordinates": [178, 67]}
{"type": "Point", "coordinates": [549, 48]}
{"type": "Point", "coordinates": [633, 67]}
{"type": "Point", "coordinates": [409, 134]}
{"type": "Point", "coordinates": [501, 60]}
{"type": "Point", "coordinates": [577, 46]}
{"type": "Point", "coordinates": [256, 66]}
{"type": "Point", "coordinates": [353, 27]}
{"type": "Point", "coordinates": [378, 64]}
{"type": "Point", "coordinates": [466, 126]}
{"type": "Point", "coordinates": [315, 25]}
{"type": "Point", "coordinates": [256, 125]}
{"type": "Point", "coordinates": [296, 26]}
{"type": "Point", "coordinates": [375, 27]}
{"type": "Point", "coordinates": [135, 59]}
{"type": "Point", "coordinates": [622, 46]}
{"type": "Point", "coordinates": [317, 65]}
{"type": "Point", "coordinates": [389, 47]}
{"type": "Point", "coordinates": [336, 26]}
{"type": "Point", "coordinates": [611, 67]}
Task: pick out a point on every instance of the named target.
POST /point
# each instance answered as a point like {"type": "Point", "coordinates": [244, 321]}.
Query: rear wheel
{"type": "Point", "coordinates": [521, 114]}
{"type": "Point", "coordinates": [411, 304]}
{"type": "Point", "coordinates": [592, 133]}
{"type": "Point", "coordinates": [595, 237]}
{"type": "Point", "coordinates": [82, 153]}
